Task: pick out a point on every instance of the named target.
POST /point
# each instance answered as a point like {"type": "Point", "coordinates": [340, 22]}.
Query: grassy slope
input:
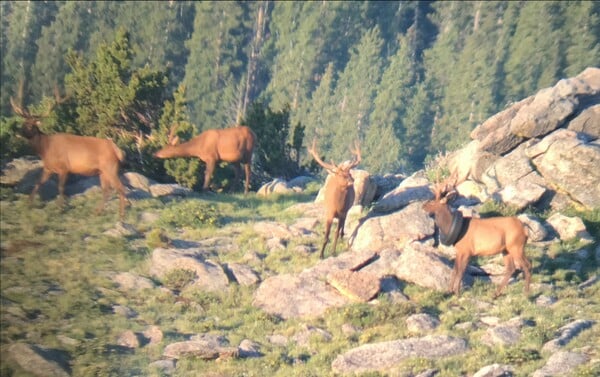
{"type": "Point", "coordinates": [55, 283]}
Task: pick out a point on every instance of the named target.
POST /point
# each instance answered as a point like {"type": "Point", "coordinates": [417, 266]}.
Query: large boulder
{"type": "Point", "coordinates": [393, 230]}
{"type": "Point", "coordinates": [571, 165]}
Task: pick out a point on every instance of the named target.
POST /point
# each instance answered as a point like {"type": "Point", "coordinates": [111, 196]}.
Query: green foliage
{"type": "Point", "coordinates": [493, 208]}
{"type": "Point", "coordinates": [273, 153]}
{"type": "Point", "coordinates": [190, 213]}
{"type": "Point", "coordinates": [11, 144]}
{"type": "Point", "coordinates": [156, 238]}
{"type": "Point", "coordinates": [178, 278]}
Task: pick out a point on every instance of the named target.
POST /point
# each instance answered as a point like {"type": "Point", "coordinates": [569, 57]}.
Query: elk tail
{"type": "Point", "coordinates": [118, 151]}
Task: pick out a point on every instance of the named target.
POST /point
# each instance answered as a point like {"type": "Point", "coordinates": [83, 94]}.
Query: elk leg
{"type": "Point", "coordinates": [509, 265]}
{"type": "Point", "coordinates": [115, 182]}
{"type": "Point", "coordinates": [43, 178]}
{"type": "Point", "coordinates": [327, 230]}
{"type": "Point", "coordinates": [247, 171]}
{"type": "Point", "coordinates": [210, 168]}
{"type": "Point", "coordinates": [62, 180]}
{"type": "Point", "coordinates": [340, 229]}
{"type": "Point", "coordinates": [460, 265]}
{"type": "Point", "coordinates": [105, 187]}
{"type": "Point", "coordinates": [525, 265]}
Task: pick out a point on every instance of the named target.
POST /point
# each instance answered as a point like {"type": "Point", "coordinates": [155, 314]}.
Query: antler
{"type": "Point", "coordinates": [24, 112]}
{"type": "Point", "coordinates": [312, 150]}
{"type": "Point", "coordinates": [18, 108]}
{"type": "Point", "coordinates": [355, 152]}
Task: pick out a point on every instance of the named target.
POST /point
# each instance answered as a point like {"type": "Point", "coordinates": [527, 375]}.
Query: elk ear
{"type": "Point", "coordinates": [174, 141]}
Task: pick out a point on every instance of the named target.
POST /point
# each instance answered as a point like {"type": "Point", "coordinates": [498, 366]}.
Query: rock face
{"type": "Point", "coordinates": [547, 142]}
{"type": "Point", "coordinates": [384, 356]}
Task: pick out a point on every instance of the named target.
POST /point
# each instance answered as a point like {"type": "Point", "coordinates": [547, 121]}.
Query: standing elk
{"type": "Point", "coordinates": [339, 193]}
{"type": "Point", "coordinates": [64, 153]}
{"type": "Point", "coordinates": [479, 237]}
{"type": "Point", "coordinates": [234, 145]}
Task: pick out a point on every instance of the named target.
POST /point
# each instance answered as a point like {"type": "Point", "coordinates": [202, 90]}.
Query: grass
{"type": "Point", "coordinates": [57, 291]}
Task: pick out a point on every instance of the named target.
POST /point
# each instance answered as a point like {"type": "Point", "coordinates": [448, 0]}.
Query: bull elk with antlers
{"type": "Point", "coordinates": [64, 153]}
{"type": "Point", "coordinates": [479, 237]}
{"type": "Point", "coordinates": [234, 145]}
{"type": "Point", "coordinates": [339, 193]}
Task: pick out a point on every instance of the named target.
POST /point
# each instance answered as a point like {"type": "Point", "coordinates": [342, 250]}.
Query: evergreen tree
{"type": "Point", "coordinates": [68, 31]}
{"type": "Point", "coordinates": [534, 60]}
{"type": "Point", "coordinates": [582, 36]}
{"type": "Point", "coordinates": [114, 100]}
{"type": "Point", "coordinates": [354, 94]}
{"type": "Point", "coordinates": [24, 22]}
{"type": "Point", "coordinates": [216, 64]}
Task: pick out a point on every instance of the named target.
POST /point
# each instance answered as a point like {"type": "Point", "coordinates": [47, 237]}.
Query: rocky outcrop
{"type": "Point", "coordinates": [547, 144]}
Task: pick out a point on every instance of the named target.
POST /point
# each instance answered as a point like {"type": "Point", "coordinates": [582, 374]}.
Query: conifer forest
{"type": "Point", "coordinates": [408, 79]}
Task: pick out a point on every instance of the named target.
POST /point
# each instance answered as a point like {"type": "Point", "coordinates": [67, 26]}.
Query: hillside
{"type": "Point", "coordinates": [219, 284]}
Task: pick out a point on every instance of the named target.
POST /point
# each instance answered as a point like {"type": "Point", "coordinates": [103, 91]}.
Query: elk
{"type": "Point", "coordinates": [64, 153]}
{"type": "Point", "coordinates": [339, 193]}
{"type": "Point", "coordinates": [234, 145]}
{"type": "Point", "coordinates": [479, 237]}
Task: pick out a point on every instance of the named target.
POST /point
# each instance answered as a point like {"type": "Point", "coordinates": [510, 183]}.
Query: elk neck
{"type": "Point", "coordinates": [443, 218]}
{"type": "Point", "coordinates": [179, 150]}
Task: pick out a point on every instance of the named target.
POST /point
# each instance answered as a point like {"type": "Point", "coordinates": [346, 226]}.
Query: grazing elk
{"type": "Point", "coordinates": [479, 237]}
{"type": "Point", "coordinates": [339, 193]}
{"type": "Point", "coordinates": [64, 153]}
{"type": "Point", "coordinates": [234, 145]}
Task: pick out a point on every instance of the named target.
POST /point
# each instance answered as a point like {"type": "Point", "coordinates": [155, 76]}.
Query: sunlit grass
{"type": "Point", "coordinates": [56, 282]}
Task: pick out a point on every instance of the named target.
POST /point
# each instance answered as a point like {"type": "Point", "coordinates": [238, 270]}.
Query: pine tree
{"type": "Point", "coordinates": [354, 94]}
{"type": "Point", "coordinates": [216, 64]}
{"type": "Point", "coordinates": [582, 35]}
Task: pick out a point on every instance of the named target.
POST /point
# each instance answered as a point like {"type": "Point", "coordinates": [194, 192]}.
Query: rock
{"type": "Point", "coordinates": [571, 165]}
{"type": "Point", "coordinates": [495, 370]}
{"type": "Point", "coordinates": [391, 230]}
{"type": "Point", "coordinates": [290, 296]}
{"type": "Point", "coordinates": [364, 187]}
{"type": "Point", "coordinates": [169, 189]}
{"type": "Point", "coordinates": [122, 229]}
{"type": "Point", "coordinates": [128, 339]}
{"type": "Point", "coordinates": [304, 336]}
{"type": "Point", "coordinates": [502, 335]}
{"type": "Point", "coordinates": [387, 355]}
{"type": "Point", "coordinates": [249, 348]}
{"type": "Point", "coordinates": [153, 334]}
{"type": "Point", "coordinates": [203, 348]}
{"type": "Point", "coordinates": [40, 361]}
{"type": "Point", "coordinates": [587, 122]}
{"type": "Point", "coordinates": [209, 275]}
{"type": "Point", "coordinates": [569, 227]}
{"type": "Point", "coordinates": [359, 286]}
{"type": "Point", "coordinates": [521, 194]}
{"type": "Point", "coordinates": [166, 366]}
{"type": "Point", "coordinates": [535, 230]}
{"type": "Point", "coordinates": [419, 323]}
{"type": "Point", "coordinates": [419, 264]}
{"type": "Point", "coordinates": [243, 274]}
{"type": "Point", "coordinates": [561, 363]}
{"type": "Point", "coordinates": [508, 169]}
{"type": "Point", "coordinates": [137, 181]}
{"type": "Point", "coordinates": [495, 135]}
{"type": "Point", "coordinates": [128, 281]}
{"type": "Point", "coordinates": [566, 334]}
{"type": "Point", "coordinates": [300, 182]}
{"type": "Point", "coordinates": [277, 186]}
{"type": "Point", "coordinates": [412, 189]}
{"type": "Point", "coordinates": [548, 111]}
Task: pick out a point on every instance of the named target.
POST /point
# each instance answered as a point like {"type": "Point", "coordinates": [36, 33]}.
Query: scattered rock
{"type": "Point", "coordinates": [561, 363]}
{"type": "Point", "coordinates": [387, 355]}
{"type": "Point", "coordinates": [419, 323]}
{"type": "Point", "coordinates": [566, 334]}
{"type": "Point", "coordinates": [40, 361]}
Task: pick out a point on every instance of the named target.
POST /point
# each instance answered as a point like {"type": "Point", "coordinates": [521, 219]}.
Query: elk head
{"type": "Point", "coordinates": [342, 169]}
{"type": "Point", "coordinates": [31, 121]}
{"type": "Point", "coordinates": [443, 193]}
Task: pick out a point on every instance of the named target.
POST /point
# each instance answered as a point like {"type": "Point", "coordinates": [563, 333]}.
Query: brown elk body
{"type": "Point", "coordinates": [339, 195]}
{"type": "Point", "coordinates": [234, 145]}
{"type": "Point", "coordinates": [63, 153]}
{"type": "Point", "coordinates": [483, 237]}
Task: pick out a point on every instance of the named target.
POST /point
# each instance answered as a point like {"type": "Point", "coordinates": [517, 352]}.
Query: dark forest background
{"type": "Point", "coordinates": [407, 79]}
